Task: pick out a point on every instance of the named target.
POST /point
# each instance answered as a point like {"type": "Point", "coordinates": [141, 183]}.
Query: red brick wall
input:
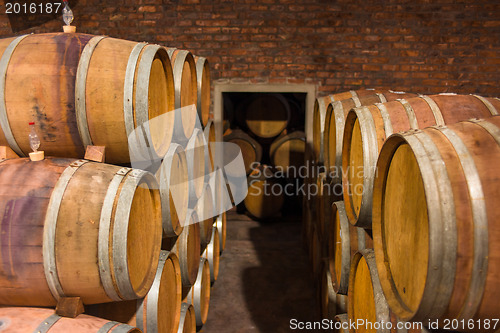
{"type": "Point", "coordinates": [424, 46]}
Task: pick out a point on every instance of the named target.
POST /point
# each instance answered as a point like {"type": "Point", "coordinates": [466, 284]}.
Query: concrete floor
{"type": "Point", "coordinates": [264, 279]}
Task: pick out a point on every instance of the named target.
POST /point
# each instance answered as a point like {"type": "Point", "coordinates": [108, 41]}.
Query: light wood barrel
{"type": "Point", "coordinates": [174, 190]}
{"type": "Point", "coordinates": [331, 303]}
{"type": "Point", "coordinates": [210, 139]}
{"type": "Point", "coordinates": [319, 117]}
{"type": "Point", "coordinates": [344, 241]}
{"type": "Point", "coordinates": [366, 129]}
{"type": "Point", "coordinates": [195, 156]}
{"type": "Point", "coordinates": [45, 320]}
{"type": "Point", "coordinates": [267, 115]}
{"type": "Point", "coordinates": [212, 254]}
{"type": "Point", "coordinates": [203, 79]}
{"type": "Point", "coordinates": [289, 152]}
{"type": "Point", "coordinates": [199, 294]}
{"type": "Point", "coordinates": [159, 311]}
{"type": "Point", "coordinates": [77, 228]}
{"type": "Point", "coordinates": [251, 150]}
{"type": "Point", "coordinates": [436, 196]}
{"type": "Point", "coordinates": [66, 85]}
{"type": "Point", "coordinates": [188, 320]}
{"type": "Point", "coordinates": [186, 91]}
{"type": "Point", "coordinates": [220, 222]}
{"type": "Point", "coordinates": [336, 112]}
{"type": "Point", "coordinates": [187, 247]}
{"type": "Point", "coordinates": [261, 201]}
{"type": "Point", "coordinates": [205, 211]}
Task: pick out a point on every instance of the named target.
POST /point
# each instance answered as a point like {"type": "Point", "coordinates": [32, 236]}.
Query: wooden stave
{"type": "Point", "coordinates": [376, 125]}
{"type": "Point", "coordinates": [106, 285]}
{"type": "Point", "coordinates": [446, 307]}
{"type": "Point", "coordinates": [220, 223]}
{"type": "Point", "coordinates": [275, 132]}
{"type": "Point", "coordinates": [210, 139]}
{"type": "Point", "coordinates": [258, 180]}
{"type": "Point", "coordinates": [205, 211]}
{"type": "Point", "coordinates": [331, 303]}
{"type": "Point", "coordinates": [173, 217]}
{"type": "Point", "coordinates": [203, 80]}
{"type": "Point", "coordinates": [319, 112]}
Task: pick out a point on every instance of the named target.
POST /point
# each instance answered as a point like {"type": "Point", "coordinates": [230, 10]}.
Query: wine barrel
{"type": "Point", "coordinates": [187, 248]}
{"type": "Point", "coordinates": [159, 311]}
{"type": "Point", "coordinates": [288, 152]}
{"type": "Point", "coordinates": [66, 85]}
{"type": "Point", "coordinates": [331, 303]}
{"type": "Point", "coordinates": [344, 241]}
{"type": "Point", "coordinates": [199, 294]}
{"type": "Point", "coordinates": [366, 129]}
{"type": "Point", "coordinates": [336, 112]}
{"type": "Point", "coordinates": [267, 114]}
{"type": "Point", "coordinates": [186, 92]}
{"type": "Point", "coordinates": [210, 139]}
{"type": "Point", "coordinates": [203, 79]}
{"type": "Point", "coordinates": [436, 196]}
{"type": "Point", "coordinates": [263, 199]}
{"type": "Point", "coordinates": [220, 223]}
{"type": "Point", "coordinates": [188, 320]}
{"type": "Point", "coordinates": [77, 228]}
{"type": "Point", "coordinates": [251, 150]}
{"type": "Point", "coordinates": [319, 117]}
{"type": "Point", "coordinates": [205, 211]}
{"type": "Point", "coordinates": [174, 190]}
{"type": "Point", "coordinates": [195, 156]}
{"type": "Point", "coordinates": [45, 320]}
{"type": "Point", "coordinates": [212, 254]}
{"type": "Point", "coordinates": [216, 179]}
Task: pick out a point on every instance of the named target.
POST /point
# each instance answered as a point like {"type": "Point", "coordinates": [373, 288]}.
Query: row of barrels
{"type": "Point", "coordinates": [82, 90]}
{"type": "Point", "coordinates": [411, 238]}
{"type": "Point", "coordinates": [144, 243]}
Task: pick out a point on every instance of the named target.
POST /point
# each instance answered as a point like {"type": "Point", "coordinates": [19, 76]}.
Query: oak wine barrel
{"type": "Point", "coordinates": [83, 90]}
{"type": "Point", "coordinates": [366, 129]}
{"type": "Point", "coordinates": [186, 92]}
{"type": "Point", "coordinates": [77, 228]}
{"type": "Point", "coordinates": [212, 254]}
{"type": "Point", "coordinates": [43, 320]}
{"type": "Point", "coordinates": [336, 112]}
{"type": "Point", "coordinates": [436, 196]}
{"type": "Point", "coordinates": [319, 118]}
{"type": "Point", "coordinates": [203, 80]}
{"type": "Point", "coordinates": [205, 211]}
{"type": "Point", "coordinates": [220, 223]}
{"type": "Point", "coordinates": [267, 114]}
{"type": "Point", "coordinates": [265, 195]}
{"type": "Point", "coordinates": [331, 303]}
{"type": "Point", "coordinates": [174, 190]}
{"type": "Point", "coordinates": [159, 311]}
{"type": "Point", "coordinates": [187, 248]}
{"type": "Point", "coordinates": [210, 139]}
{"type": "Point", "coordinates": [195, 156]}
{"type": "Point", "coordinates": [251, 150]}
{"type": "Point", "coordinates": [344, 241]}
{"type": "Point", "coordinates": [289, 151]}
{"type": "Point", "coordinates": [188, 320]}
{"type": "Point", "coordinates": [199, 294]}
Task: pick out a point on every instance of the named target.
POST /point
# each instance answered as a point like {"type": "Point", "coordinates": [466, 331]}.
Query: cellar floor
{"type": "Point", "coordinates": [264, 278]}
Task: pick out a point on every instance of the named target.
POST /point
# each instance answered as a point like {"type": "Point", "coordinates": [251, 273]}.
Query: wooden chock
{"type": "Point", "coordinates": [69, 29]}
{"type": "Point", "coordinates": [70, 307]}
{"type": "Point", "coordinates": [37, 156]}
{"type": "Point", "coordinates": [95, 153]}
{"type": "Point", "coordinates": [7, 152]}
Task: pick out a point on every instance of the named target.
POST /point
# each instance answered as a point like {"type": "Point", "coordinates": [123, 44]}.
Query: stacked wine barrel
{"type": "Point", "coordinates": [136, 242]}
{"type": "Point", "coordinates": [269, 130]}
{"type": "Point", "coordinates": [412, 238]}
